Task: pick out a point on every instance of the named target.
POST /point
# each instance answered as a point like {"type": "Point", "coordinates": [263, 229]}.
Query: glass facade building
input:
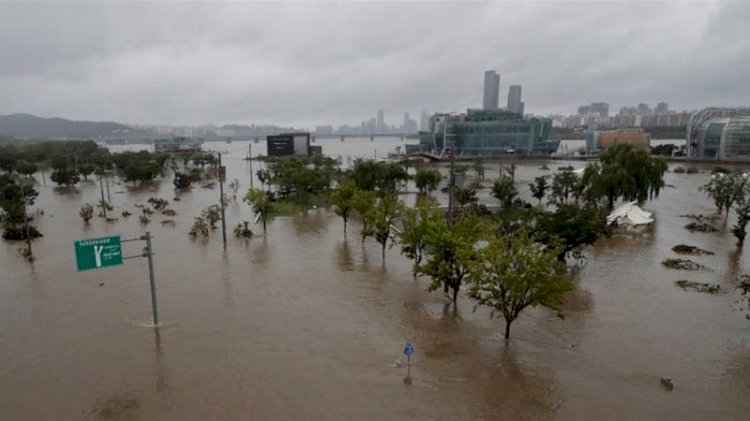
{"type": "Point", "coordinates": [720, 133]}
{"type": "Point", "coordinates": [487, 133]}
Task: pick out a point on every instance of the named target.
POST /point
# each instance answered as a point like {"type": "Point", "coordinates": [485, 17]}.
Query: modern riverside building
{"type": "Point", "coordinates": [177, 145]}
{"type": "Point", "coordinates": [487, 133]}
{"type": "Point", "coordinates": [603, 139]}
{"type": "Point", "coordinates": [491, 90]}
{"type": "Point", "coordinates": [719, 133]}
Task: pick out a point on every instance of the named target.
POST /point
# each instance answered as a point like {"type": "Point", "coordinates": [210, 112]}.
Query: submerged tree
{"type": "Point", "coordinates": [86, 212]}
{"type": "Point", "coordinates": [504, 190]}
{"type": "Point", "coordinates": [264, 176]}
{"type": "Point", "coordinates": [726, 190]}
{"type": "Point", "coordinates": [449, 252]}
{"type": "Point", "coordinates": [564, 185]}
{"type": "Point", "coordinates": [427, 179]}
{"type": "Point", "coordinates": [539, 188]}
{"type": "Point", "coordinates": [15, 197]}
{"type": "Point", "coordinates": [572, 226]}
{"type": "Point", "coordinates": [363, 202]}
{"type": "Point", "coordinates": [200, 227]}
{"type": "Point", "coordinates": [381, 217]}
{"type": "Point", "coordinates": [212, 215]}
{"type": "Point", "coordinates": [511, 273]}
{"type": "Point", "coordinates": [739, 229]}
{"type": "Point", "coordinates": [417, 224]}
{"type": "Point", "coordinates": [261, 204]}
{"type": "Point", "coordinates": [242, 230]}
{"type": "Point", "coordinates": [627, 173]}
{"type": "Point", "coordinates": [342, 200]}
{"type": "Point", "coordinates": [65, 176]}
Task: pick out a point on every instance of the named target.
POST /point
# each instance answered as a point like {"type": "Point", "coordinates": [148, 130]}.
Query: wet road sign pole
{"type": "Point", "coordinates": [150, 255]}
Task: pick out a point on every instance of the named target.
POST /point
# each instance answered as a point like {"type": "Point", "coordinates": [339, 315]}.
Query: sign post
{"type": "Point", "coordinates": [408, 351]}
{"type": "Point", "coordinates": [99, 253]}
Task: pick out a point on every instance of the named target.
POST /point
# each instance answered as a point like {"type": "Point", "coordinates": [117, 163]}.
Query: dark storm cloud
{"type": "Point", "coordinates": [307, 64]}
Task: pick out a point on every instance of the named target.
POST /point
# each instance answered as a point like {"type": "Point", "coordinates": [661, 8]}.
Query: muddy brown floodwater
{"type": "Point", "coordinates": [305, 324]}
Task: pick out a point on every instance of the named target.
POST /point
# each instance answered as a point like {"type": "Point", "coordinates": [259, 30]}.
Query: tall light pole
{"type": "Point", "coordinates": [451, 176]}
{"type": "Point", "coordinates": [222, 172]}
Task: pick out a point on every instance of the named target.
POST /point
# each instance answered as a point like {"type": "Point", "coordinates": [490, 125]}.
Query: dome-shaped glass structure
{"type": "Point", "coordinates": [720, 133]}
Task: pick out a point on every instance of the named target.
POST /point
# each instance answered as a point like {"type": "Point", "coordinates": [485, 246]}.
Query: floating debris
{"type": "Point", "coordinates": [683, 264]}
{"type": "Point", "coordinates": [686, 249]}
{"type": "Point", "coordinates": [698, 286]}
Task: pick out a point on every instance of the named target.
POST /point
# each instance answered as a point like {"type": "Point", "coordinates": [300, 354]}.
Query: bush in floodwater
{"type": "Point", "coordinates": [200, 227]}
{"type": "Point", "coordinates": [720, 170]}
{"type": "Point", "coordinates": [698, 286]}
{"type": "Point", "coordinates": [242, 230]}
{"type": "Point", "coordinates": [19, 233]}
{"type": "Point", "coordinates": [86, 212]}
{"type": "Point", "coordinates": [212, 215]}
{"type": "Point", "coordinates": [158, 203]}
{"type": "Point", "coordinates": [700, 227]}
{"type": "Point", "coordinates": [143, 219]}
{"type": "Point", "coordinates": [125, 214]}
{"type": "Point", "coordinates": [679, 170]}
{"type": "Point", "coordinates": [683, 264]}
{"type": "Point", "coordinates": [686, 249]}
{"type": "Point", "coordinates": [692, 170]}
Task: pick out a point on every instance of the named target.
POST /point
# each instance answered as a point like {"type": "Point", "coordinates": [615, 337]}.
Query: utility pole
{"type": "Point", "coordinates": [222, 172]}
{"type": "Point", "coordinates": [451, 177]}
{"type": "Point", "coordinates": [101, 187]}
{"type": "Point", "coordinates": [109, 198]}
{"type": "Point", "coordinates": [149, 252]}
{"type": "Point", "coordinates": [250, 160]}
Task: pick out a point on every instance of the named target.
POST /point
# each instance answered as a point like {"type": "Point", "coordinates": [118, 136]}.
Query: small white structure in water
{"type": "Point", "coordinates": [629, 214]}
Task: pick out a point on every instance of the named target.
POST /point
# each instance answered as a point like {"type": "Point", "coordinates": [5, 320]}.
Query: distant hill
{"type": "Point", "coordinates": [27, 126]}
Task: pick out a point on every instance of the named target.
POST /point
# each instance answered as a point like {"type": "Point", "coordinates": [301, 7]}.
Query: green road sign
{"type": "Point", "coordinates": [97, 253]}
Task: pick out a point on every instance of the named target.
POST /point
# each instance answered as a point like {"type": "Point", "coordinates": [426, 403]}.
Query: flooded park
{"type": "Point", "coordinates": [303, 322]}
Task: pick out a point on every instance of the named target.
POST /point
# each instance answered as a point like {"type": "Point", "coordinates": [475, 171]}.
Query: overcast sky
{"type": "Point", "coordinates": [333, 63]}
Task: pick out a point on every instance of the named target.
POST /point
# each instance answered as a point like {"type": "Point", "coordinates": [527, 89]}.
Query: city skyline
{"type": "Point", "coordinates": [237, 65]}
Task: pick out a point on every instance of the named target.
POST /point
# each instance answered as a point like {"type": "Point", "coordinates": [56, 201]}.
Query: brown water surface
{"type": "Point", "coordinates": [305, 324]}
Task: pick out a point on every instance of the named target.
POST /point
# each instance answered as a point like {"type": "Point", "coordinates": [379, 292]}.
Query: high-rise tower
{"type": "Point", "coordinates": [491, 90]}
{"type": "Point", "coordinates": [514, 99]}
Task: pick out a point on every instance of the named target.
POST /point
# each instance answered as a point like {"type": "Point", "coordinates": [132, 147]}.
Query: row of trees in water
{"type": "Point", "coordinates": [68, 163]}
{"type": "Point", "coordinates": [508, 259]}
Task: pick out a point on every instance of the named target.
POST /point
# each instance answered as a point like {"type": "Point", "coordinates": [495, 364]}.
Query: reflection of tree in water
{"type": "Point", "coordinates": [120, 406]}
{"type": "Point", "coordinates": [259, 253]}
{"type": "Point", "coordinates": [483, 377]}
{"type": "Point", "coordinates": [734, 268]}
{"type": "Point", "coordinates": [344, 259]}
{"type": "Point", "coordinates": [311, 221]}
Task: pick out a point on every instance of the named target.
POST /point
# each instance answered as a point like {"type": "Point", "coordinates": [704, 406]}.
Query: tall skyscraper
{"type": "Point", "coordinates": [424, 121]}
{"type": "Point", "coordinates": [514, 99]}
{"type": "Point", "coordinates": [491, 90]}
{"type": "Point", "coordinates": [381, 120]}
{"type": "Point", "coordinates": [661, 107]}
